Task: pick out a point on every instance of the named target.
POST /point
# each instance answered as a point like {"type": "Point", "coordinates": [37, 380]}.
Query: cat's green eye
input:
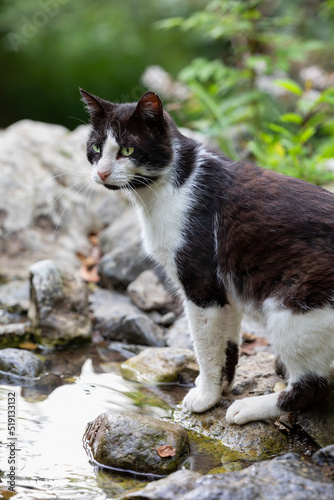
{"type": "Point", "coordinates": [127, 151]}
{"type": "Point", "coordinates": [96, 148]}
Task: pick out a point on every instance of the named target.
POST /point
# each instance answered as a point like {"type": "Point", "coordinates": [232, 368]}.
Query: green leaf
{"type": "Point", "coordinates": [306, 134]}
{"type": "Point", "coordinates": [290, 85]}
{"type": "Point", "coordinates": [291, 118]}
{"type": "Point", "coordinates": [280, 130]}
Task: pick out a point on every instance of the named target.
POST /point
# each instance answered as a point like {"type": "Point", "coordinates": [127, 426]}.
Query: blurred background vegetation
{"type": "Point", "coordinates": [254, 76]}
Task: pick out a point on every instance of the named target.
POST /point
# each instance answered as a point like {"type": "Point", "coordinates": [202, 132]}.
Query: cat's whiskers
{"type": "Point", "coordinates": [76, 193]}
{"type": "Point", "coordinates": [67, 189]}
{"type": "Point", "coordinates": [66, 172]}
{"type": "Point", "coordinates": [142, 181]}
{"type": "Point", "coordinates": [134, 191]}
{"type": "Point", "coordinates": [82, 192]}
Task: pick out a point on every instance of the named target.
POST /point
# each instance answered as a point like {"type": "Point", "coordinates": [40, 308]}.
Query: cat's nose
{"type": "Point", "coordinates": [103, 175]}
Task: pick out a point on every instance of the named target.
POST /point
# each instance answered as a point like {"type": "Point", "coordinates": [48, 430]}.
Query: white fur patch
{"type": "Point", "coordinates": [210, 329]}
{"type": "Point", "coordinates": [304, 341]}
{"type": "Point", "coordinates": [120, 170]}
{"type": "Point", "coordinates": [256, 408]}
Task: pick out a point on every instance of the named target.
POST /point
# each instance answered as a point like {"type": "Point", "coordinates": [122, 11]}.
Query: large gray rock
{"type": "Point", "coordinates": [58, 306]}
{"type": "Point", "coordinates": [44, 211]}
{"type": "Point", "coordinates": [123, 259]}
{"type": "Point", "coordinates": [148, 293]}
{"type": "Point", "coordinates": [161, 365]}
{"type": "Point", "coordinates": [134, 442]}
{"type": "Point", "coordinates": [121, 266]}
{"type": "Point", "coordinates": [178, 334]}
{"type": "Point", "coordinates": [20, 362]}
{"type": "Point", "coordinates": [318, 421]}
{"type": "Point", "coordinates": [116, 318]}
{"type": "Point", "coordinates": [14, 296]}
{"type": "Point", "coordinates": [287, 477]}
{"type": "Point", "coordinates": [254, 441]}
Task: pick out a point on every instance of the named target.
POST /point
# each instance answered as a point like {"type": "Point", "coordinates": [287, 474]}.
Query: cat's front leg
{"type": "Point", "coordinates": [210, 337]}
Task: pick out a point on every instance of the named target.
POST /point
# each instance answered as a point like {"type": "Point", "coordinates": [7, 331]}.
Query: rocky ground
{"type": "Point", "coordinates": [72, 272]}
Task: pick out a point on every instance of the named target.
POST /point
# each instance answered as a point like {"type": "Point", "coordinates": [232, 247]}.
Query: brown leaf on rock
{"type": "Point", "coordinates": [166, 450]}
{"type": "Point", "coordinates": [90, 275]}
{"type": "Point", "coordinates": [248, 348]}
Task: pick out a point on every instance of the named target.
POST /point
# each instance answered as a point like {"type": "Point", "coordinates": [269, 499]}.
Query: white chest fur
{"type": "Point", "coordinates": [163, 215]}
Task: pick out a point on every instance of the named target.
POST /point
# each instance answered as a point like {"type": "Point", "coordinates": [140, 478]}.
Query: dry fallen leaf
{"type": "Point", "coordinates": [166, 450]}
{"type": "Point", "coordinates": [89, 275]}
{"type": "Point", "coordinates": [249, 348]}
{"type": "Point", "coordinates": [31, 346]}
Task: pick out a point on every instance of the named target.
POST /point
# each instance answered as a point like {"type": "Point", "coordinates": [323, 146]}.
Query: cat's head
{"type": "Point", "coordinates": [130, 145]}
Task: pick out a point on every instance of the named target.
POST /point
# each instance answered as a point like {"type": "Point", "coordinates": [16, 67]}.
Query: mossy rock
{"type": "Point", "coordinates": [137, 443]}
{"type": "Point", "coordinates": [161, 365]}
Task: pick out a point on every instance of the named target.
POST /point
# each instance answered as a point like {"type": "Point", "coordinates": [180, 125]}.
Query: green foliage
{"type": "Point", "coordinates": [279, 124]}
{"type": "Point", "coordinates": [300, 145]}
{"type": "Point", "coordinates": [49, 48]}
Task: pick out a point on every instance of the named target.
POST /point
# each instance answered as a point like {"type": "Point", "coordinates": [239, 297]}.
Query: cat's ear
{"type": "Point", "coordinates": [96, 107]}
{"type": "Point", "coordinates": [149, 107]}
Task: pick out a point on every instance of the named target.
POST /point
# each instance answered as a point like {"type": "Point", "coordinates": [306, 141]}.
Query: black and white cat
{"type": "Point", "coordinates": [235, 238]}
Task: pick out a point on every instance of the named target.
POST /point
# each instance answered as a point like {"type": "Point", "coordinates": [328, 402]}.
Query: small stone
{"type": "Point", "coordinates": [137, 443]}
{"type": "Point", "coordinates": [325, 456]}
{"type": "Point", "coordinates": [20, 362]}
{"type": "Point", "coordinates": [168, 319]}
{"type": "Point", "coordinates": [161, 365]}
{"type": "Point", "coordinates": [13, 334]}
{"type": "Point", "coordinates": [279, 386]}
{"type": "Point", "coordinates": [116, 318]}
{"type": "Point", "coordinates": [58, 306]}
{"type": "Point", "coordinates": [148, 293]}
{"type": "Point", "coordinates": [121, 266]}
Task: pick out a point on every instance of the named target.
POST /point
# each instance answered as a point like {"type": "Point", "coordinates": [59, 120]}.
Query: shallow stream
{"type": "Point", "coordinates": [52, 416]}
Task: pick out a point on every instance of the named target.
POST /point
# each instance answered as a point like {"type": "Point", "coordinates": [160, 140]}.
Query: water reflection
{"type": "Point", "coordinates": [53, 415]}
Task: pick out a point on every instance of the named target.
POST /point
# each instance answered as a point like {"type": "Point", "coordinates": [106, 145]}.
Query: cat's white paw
{"type": "Point", "coordinates": [198, 400]}
{"type": "Point", "coordinates": [250, 409]}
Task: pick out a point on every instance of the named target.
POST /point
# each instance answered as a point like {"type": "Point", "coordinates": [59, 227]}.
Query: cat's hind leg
{"type": "Point", "coordinates": [209, 331]}
{"type": "Point", "coordinates": [305, 345]}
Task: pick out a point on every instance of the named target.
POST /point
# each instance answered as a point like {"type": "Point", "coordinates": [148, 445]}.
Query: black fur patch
{"type": "Point", "coordinates": [307, 391]}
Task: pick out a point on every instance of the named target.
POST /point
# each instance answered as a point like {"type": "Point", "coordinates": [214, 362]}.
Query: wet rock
{"type": "Point", "coordinates": [59, 305]}
{"type": "Point", "coordinates": [318, 421]}
{"type": "Point", "coordinates": [325, 456]}
{"type": "Point", "coordinates": [161, 365]}
{"type": "Point", "coordinates": [42, 212]}
{"type": "Point", "coordinates": [139, 443]}
{"type": "Point", "coordinates": [178, 334]}
{"type": "Point", "coordinates": [148, 293]}
{"type": "Point", "coordinates": [20, 362]}
{"type": "Point", "coordinates": [13, 334]}
{"type": "Point", "coordinates": [116, 318]}
{"type": "Point", "coordinates": [284, 477]}
{"type": "Point", "coordinates": [254, 441]}
{"type": "Point", "coordinates": [14, 296]}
